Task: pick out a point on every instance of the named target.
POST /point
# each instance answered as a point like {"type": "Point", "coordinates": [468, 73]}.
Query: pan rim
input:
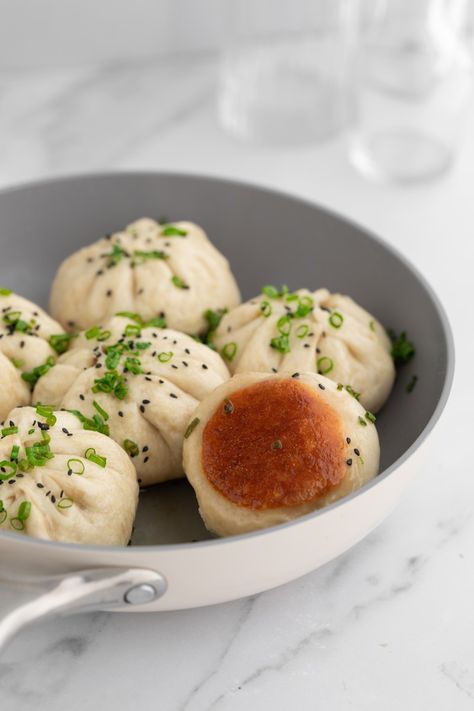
{"type": "Point", "coordinates": [382, 476]}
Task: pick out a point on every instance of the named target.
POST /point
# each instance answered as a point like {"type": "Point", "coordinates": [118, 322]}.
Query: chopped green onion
{"type": "Point", "coordinates": [24, 511]}
{"type": "Point", "coordinates": [302, 330]}
{"type": "Point", "coordinates": [370, 417]}
{"type": "Point", "coordinates": [100, 410]}
{"type": "Point", "coordinates": [97, 333]}
{"type": "Point", "coordinates": [9, 431]}
{"type": "Point", "coordinates": [271, 291]}
{"type": "Point", "coordinates": [60, 342]}
{"type": "Point", "coordinates": [116, 255]}
{"type": "Point", "coordinates": [32, 431]}
{"type": "Point", "coordinates": [172, 231]}
{"type": "Point", "coordinates": [362, 421]}
{"type": "Point", "coordinates": [266, 308]}
{"type": "Point", "coordinates": [413, 381]}
{"type": "Point", "coordinates": [131, 315]}
{"type": "Point", "coordinates": [75, 466]}
{"type": "Point", "coordinates": [325, 365]}
{"type": "Point", "coordinates": [5, 292]}
{"type": "Point", "coordinates": [131, 448]}
{"type": "Point", "coordinates": [65, 503]}
{"type": "Point", "coordinates": [140, 257]}
{"type": "Point", "coordinates": [17, 363]}
{"type": "Point", "coordinates": [132, 331]}
{"type": "Point", "coordinates": [92, 456]}
{"type": "Point", "coordinates": [191, 427]}
{"type": "Point", "coordinates": [7, 469]}
{"type": "Point", "coordinates": [281, 343]}
{"type": "Point", "coordinates": [158, 322]}
{"type": "Point", "coordinates": [94, 424]}
{"type": "Point", "coordinates": [104, 335]}
{"type": "Point", "coordinates": [3, 513]}
{"type": "Point", "coordinates": [111, 382]}
{"type": "Point", "coordinates": [214, 318]}
{"type": "Point", "coordinates": [336, 319]}
{"type": "Point", "coordinates": [277, 444]}
{"type": "Point", "coordinates": [34, 375]}
{"type": "Point", "coordinates": [229, 351]}
{"type": "Point", "coordinates": [353, 392]}
{"type": "Point", "coordinates": [24, 465]}
{"type": "Point", "coordinates": [46, 411]}
{"type": "Point", "coordinates": [14, 453]}
{"type": "Point", "coordinates": [340, 386]}
{"type": "Point", "coordinates": [402, 349]}
{"type": "Point", "coordinates": [372, 325]}
{"type": "Point", "coordinates": [132, 365]}
{"type": "Point", "coordinates": [284, 325]}
{"type": "Point", "coordinates": [305, 306]}
{"type": "Point", "coordinates": [178, 282]}
{"type": "Point", "coordinates": [164, 357]}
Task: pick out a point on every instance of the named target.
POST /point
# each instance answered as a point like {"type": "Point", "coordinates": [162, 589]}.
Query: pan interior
{"type": "Point", "coordinates": [269, 238]}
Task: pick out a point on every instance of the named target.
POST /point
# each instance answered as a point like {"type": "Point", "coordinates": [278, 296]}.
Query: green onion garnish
{"type": "Point", "coordinates": [131, 448]}
{"type": "Point", "coordinates": [3, 513]}
{"type": "Point", "coordinates": [229, 351]}
{"type": "Point", "coordinates": [281, 344]}
{"type": "Point", "coordinates": [158, 322]}
{"type": "Point", "coordinates": [353, 392]}
{"type": "Point", "coordinates": [5, 292]}
{"type": "Point", "coordinates": [413, 381]}
{"type": "Point", "coordinates": [34, 375]}
{"type": "Point", "coordinates": [164, 357]}
{"type": "Point", "coordinates": [325, 365]}
{"type": "Point", "coordinates": [191, 427]}
{"type": "Point", "coordinates": [372, 325]}
{"type": "Point", "coordinates": [336, 319]}
{"type": "Point", "coordinates": [132, 331]}
{"type": "Point", "coordinates": [75, 466]}
{"type": "Point", "coordinates": [24, 511]}
{"type": "Point", "coordinates": [305, 306]}
{"type": "Point", "coordinates": [93, 424]}
{"type": "Point", "coordinates": [129, 314]}
{"type": "Point", "coordinates": [111, 382]}
{"type": "Point", "coordinates": [266, 308]}
{"type": "Point", "coordinates": [46, 411]}
{"type": "Point", "coordinates": [116, 255]}
{"type": "Point", "coordinates": [97, 333]}
{"type": "Point", "coordinates": [92, 456]}
{"type": "Point", "coordinates": [14, 453]}
{"type": "Point", "coordinates": [370, 417]}
{"type": "Point", "coordinates": [17, 362]}
{"type": "Point", "coordinates": [340, 386]}
{"type": "Point", "coordinates": [7, 469]}
{"type": "Point", "coordinates": [302, 330]}
{"type": "Point", "coordinates": [214, 318]}
{"type": "Point", "coordinates": [9, 431]}
{"type": "Point", "coordinates": [60, 342]}
{"type": "Point", "coordinates": [100, 410]}
{"type": "Point", "coordinates": [284, 325]}
{"type": "Point", "coordinates": [272, 291]}
{"type": "Point", "coordinates": [140, 257]}
{"type": "Point", "coordinates": [178, 282]}
{"type": "Point", "coordinates": [172, 231]}
{"type": "Point", "coordinates": [362, 421]}
{"type": "Point", "coordinates": [402, 349]}
{"type": "Point", "coordinates": [65, 503]}
{"type": "Point", "coordinates": [132, 365]}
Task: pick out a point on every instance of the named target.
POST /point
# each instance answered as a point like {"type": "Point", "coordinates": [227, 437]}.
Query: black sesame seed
{"type": "Point", "coordinates": [175, 367]}
{"type": "Point", "coordinates": [145, 460]}
{"type": "Point", "coordinates": [184, 363]}
{"type": "Point", "coordinates": [274, 370]}
{"type": "Point", "coordinates": [348, 440]}
{"type": "Point", "coordinates": [357, 452]}
{"type": "Point", "coordinates": [323, 387]}
{"type": "Point", "coordinates": [204, 366]}
{"type": "Point", "coordinates": [186, 350]}
{"type": "Point", "coordinates": [108, 292]}
{"type": "Point", "coordinates": [161, 381]}
{"type": "Point", "coordinates": [147, 378]}
{"type": "Point", "coordinates": [53, 499]}
{"type": "Point", "coordinates": [295, 375]}
{"type": "Point", "coordinates": [307, 345]}
{"type": "Point", "coordinates": [318, 350]}
{"type": "Point", "coordinates": [120, 413]}
{"type": "Point", "coordinates": [81, 397]}
{"type": "Point", "coordinates": [173, 395]}
{"type": "Point", "coordinates": [146, 402]}
{"type": "Point", "coordinates": [349, 462]}
{"type": "Point", "coordinates": [40, 486]}
{"type": "Point", "coordinates": [145, 448]}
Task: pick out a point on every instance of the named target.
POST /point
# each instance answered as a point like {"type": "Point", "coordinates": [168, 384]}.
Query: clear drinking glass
{"type": "Point", "coordinates": [283, 73]}
{"type": "Point", "coordinates": [414, 83]}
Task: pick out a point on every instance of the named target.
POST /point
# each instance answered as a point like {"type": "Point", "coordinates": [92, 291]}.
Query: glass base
{"type": "Point", "coordinates": [402, 156]}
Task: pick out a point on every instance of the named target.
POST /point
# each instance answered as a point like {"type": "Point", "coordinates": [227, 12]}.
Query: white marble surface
{"type": "Point", "coordinates": [389, 624]}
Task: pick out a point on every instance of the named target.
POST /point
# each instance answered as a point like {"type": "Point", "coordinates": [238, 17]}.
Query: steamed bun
{"type": "Point", "coordinates": [29, 341]}
{"type": "Point", "coordinates": [153, 269]}
{"type": "Point", "coordinates": [264, 449]}
{"type": "Point", "coordinates": [144, 382]}
{"type": "Point", "coordinates": [311, 332]}
{"type": "Point", "coordinates": [62, 483]}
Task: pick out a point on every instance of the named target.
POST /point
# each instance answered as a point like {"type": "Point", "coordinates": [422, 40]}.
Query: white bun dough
{"type": "Point", "coordinates": [265, 449]}
{"type": "Point", "coordinates": [335, 337]}
{"type": "Point", "coordinates": [70, 498]}
{"type": "Point", "coordinates": [175, 373]}
{"type": "Point", "coordinates": [150, 269]}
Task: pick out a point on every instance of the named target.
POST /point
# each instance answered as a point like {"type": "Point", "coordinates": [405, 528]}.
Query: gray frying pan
{"type": "Point", "coordinates": [269, 237]}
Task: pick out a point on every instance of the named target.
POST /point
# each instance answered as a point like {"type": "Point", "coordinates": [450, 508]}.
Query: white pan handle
{"type": "Point", "coordinates": [82, 591]}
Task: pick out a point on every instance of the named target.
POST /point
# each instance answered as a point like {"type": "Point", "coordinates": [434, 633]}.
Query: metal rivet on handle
{"type": "Point", "coordinates": [141, 594]}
